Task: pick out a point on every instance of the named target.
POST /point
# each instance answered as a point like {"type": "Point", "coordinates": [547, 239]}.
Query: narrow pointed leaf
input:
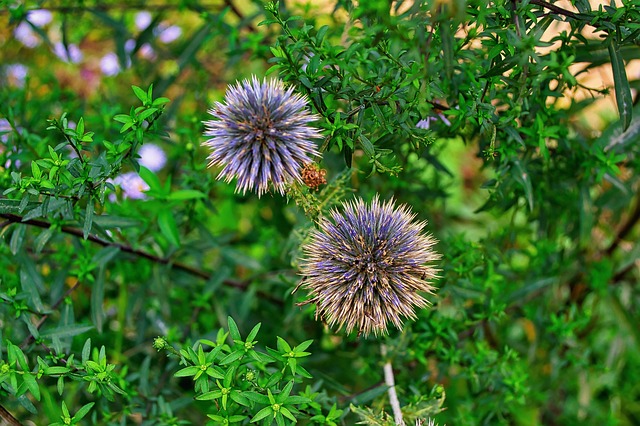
{"type": "Point", "coordinates": [622, 89]}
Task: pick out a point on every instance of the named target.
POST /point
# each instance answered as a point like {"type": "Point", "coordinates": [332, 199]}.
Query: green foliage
{"type": "Point", "coordinates": [484, 117]}
{"type": "Point", "coordinates": [245, 383]}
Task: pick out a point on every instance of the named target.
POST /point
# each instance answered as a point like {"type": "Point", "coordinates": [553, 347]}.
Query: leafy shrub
{"type": "Point", "coordinates": [128, 270]}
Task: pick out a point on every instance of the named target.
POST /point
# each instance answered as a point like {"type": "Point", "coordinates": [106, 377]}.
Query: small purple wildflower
{"type": "Point", "coordinates": [70, 53]}
{"type": "Point", "coordinates": [261, 135]}
{"type": "Point", "coordinates": [366, 266]}
{"type": "Point", "coordinates": [17, 74]}
{"type": "Point", "coordinates": [109, 64]}
{"type": "Point", "coordinates": [425, 123]}
{"type": "Point", "coordinates": [39, 17]}
{"type": "Point", "coordinates": [25, 35]}
{"type": "Point", "coordinates": [132, 185]}
{"type": "Point", "coordinates": [147, 52]}
{"type": "Point", "coordinates": [129, 45]}
{"type": "Point", "coordinates": [169, 34]}
{"type": "Point", "coordinates": [142, 19]}
{"type": "Point", "coordinates": [152, 157]}
{"type": "Point", "coordinates": [8, 144]}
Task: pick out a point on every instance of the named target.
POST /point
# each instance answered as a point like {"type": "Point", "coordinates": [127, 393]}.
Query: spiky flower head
{"type": "Point", "coordinates": [367, 266]}
{"type": "Point", "coordinates": [261, 135]}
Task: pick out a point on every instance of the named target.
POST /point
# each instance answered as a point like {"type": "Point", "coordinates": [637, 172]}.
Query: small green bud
{"type": "Point", "coordinates": [160, 343]}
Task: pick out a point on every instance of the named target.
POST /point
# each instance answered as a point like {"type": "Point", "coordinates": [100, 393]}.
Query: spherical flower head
{"type": "Point", "coordinates": [261, 136]}
{"type": "Point", "coordinates": [368, 266]}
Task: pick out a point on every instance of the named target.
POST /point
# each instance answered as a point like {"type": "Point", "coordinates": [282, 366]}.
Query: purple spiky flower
{"type": "Point", "coordinates": [367, 266]}
{"type": "Point", "coordinates": [262, 135]}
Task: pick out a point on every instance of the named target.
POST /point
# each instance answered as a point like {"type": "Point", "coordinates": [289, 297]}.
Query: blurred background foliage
{"type": "Point", "coordinates": [511, 126]}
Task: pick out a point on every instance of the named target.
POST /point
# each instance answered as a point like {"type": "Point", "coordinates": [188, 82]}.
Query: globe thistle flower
{"type": "Point", "coordinates": [367, 266]}
{"type": "Point", "coordinates": [261, 135]}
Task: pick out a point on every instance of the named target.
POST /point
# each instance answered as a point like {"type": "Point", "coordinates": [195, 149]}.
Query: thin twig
{"type": "Point", "coordinates": [561, 11]}
{"type": "Point", "coordinates": [389, 380]}
{"type": "Point", "coordinates": [241, 285]}
{"type": "Point", "coordinates": [628, 226]}
{"type": "Point", "coordinates": [7, 419]}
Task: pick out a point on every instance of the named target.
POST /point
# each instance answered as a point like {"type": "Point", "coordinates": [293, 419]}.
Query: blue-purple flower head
{"type": "Point", "coordinates": [261, 136]}
{"type": "Point", "coordinates": [368, 266]}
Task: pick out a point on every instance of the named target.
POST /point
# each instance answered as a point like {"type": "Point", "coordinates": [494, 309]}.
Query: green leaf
{"type": "Point", "coordinates": [285, 412]}
{"type": "Point", "coordinates": [233, 330]}
{"type": "Point", "coordinates": [266, 411]}
{"type": "Point", "coordinates": [86, 351]}
{"type": "Point", "coordinates": [239, 398]}
{"type": "Point", "coordinates": [32, 385]}
{"type": "Point", "coordinates": [160, 101]}
{"type": "Point", "coordinates": [35, 170]}
{"type": "Point", "coordinates": [283, 346]}
{"type": "Point", "coordinates": [253, 333]}
{"type": "Point", "coordinates": [80, 127]}
{"type": "Point", "coordinates": [322, 31]}
{"type": "Point", "coordinates": [622, 89]}
{"type": "Point", "coordinates": [369, 395]}
{"type": "Point", "coordinates": [140, 94]}
{"type": "Point", "coordinates": [105, 255]}
{"type": "Point", "coordinates": [207, 396]}
{"type": "Point", "coordinates": [151, 179]}
{"type": "Point", "coordinates": [65, 410]}
{"type": "Point", "coordinates": [302, 372]}
{"type": "Point", "coordinates": [215, 372]}
{"type": "Point", "coordinates": [30, 280]}
{"type": "Point", "coordinates": [187, 371]}
{"type": "Point", "coordinates": [66, 331]}
{"type": "Point", "coordinates": [123, 118]}
{"type": "Point", "coordinates": [186, 194]}
{"type": "Point", "coordinates": [304, 345]}
{"type": "Point", "coordinates": [282, 396]}
{"type": "Point", "coordinates": [168, 227]}
{"type": "Point", "coordinates": [60, 385]}
{"type": "Point", "coordinates": [42, 239]}
{"type": "Point", "coordinates": [233, 356]}
{"type": "Point", "coordinates": [111, 221]}
{"type": "Point", "coordinates": [297, 399]}
{"type": "Point", "coordinates": [256, 397]}
{"type": "Point", "coordinates": [56, 370]}
{"type": "Point", "coordinates": [367, 146]}
{"type": "Point", "coordinates": [522, 177]}
{"type": "Point", "coordinates": [88, 219]}
{"type": "Point", "coordinates": [97, 300]}
{"type": "Point", "coordinates": [275, 378]}
{"type": "Point", "coordinates": [8, 206]}
{"type": "Point", "coordinates": [147, 113]}
{"type": "Point", "coordinates": [83, 411]}
{"type": "Point", "coordinates": [17, 237]}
